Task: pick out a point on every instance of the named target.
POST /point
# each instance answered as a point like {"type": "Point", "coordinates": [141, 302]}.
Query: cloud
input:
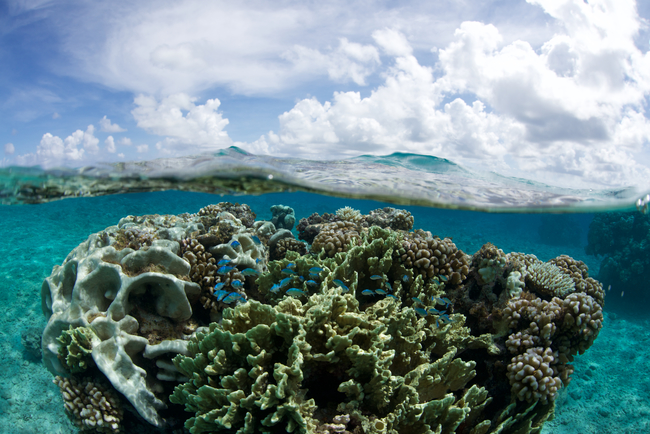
{"type": "Point", "coordinates": [124, 141]}
{"type": "Point", "coordinates": [348, 62]}
{"type": "Point", "coordinates": [142, 148]}
{"type": "Point", "coordinates": [190, 46]}
{"type": "Point", "coordinates": [573, 109]}
{"type": "Point", "coordinates": [188, 127]}
{"type": "Point", "coordinates": [55, 115]}
{"type": "Point", "coordinates": [106, 126]}
{"type": "Point", "coordinates": [54, 151]}
{"type": "Point", "coordinates": [9, 148]}
{"type": "Point", "coordinates": [110, 144]}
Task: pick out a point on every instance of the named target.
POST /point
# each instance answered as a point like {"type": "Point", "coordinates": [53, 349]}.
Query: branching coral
{"type": "Point", "coordinates": [335, 237]}
{"type": "Point", "coordinates": [91, 405]}
{"type": "Point", "coordinates": [432, 256]}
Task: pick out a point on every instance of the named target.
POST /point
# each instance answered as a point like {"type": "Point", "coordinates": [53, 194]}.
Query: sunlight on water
{"type": "Point", "coordinates": [404, 179]}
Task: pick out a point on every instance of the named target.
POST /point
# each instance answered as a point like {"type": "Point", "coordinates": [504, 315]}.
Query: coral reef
{"type": "Point", "coordinates": [283, 217]}
{"type": "Point", "coordinates": [335, 237]}
{"type": "Point", "coordinates": [76, 348]}
{"type": "Point", "coordinates": [623, 241]}
{"type": "Point", "coordinates": [231, 325]}
{"type": "Point", "coordinates": [92, 406]}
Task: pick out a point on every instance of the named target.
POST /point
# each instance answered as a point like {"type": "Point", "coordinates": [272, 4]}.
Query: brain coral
{"type": "Point", "coordinates": [372, 328]}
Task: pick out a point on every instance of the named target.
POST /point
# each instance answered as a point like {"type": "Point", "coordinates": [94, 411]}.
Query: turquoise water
{"type": "Point", "coordinates": [610, 392]}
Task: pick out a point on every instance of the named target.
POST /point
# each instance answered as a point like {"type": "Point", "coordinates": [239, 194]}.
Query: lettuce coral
{"type": "Point", "coordinates": [76, 348]}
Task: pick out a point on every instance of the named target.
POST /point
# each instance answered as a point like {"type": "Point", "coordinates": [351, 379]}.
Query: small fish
{"type": "Point", "coordinates": [311, 283]}
{"type": "Point", "coordinates": [434, 311]}
{"type": "Point", "coordinates": [219, 286]}
{"type": "Point", "coordinates": [256, 240]}
{"type": "Point", "coordinates": [258, 260]}
{"type": "Point", "coordinates": [444, 319]}
{"type": "Point", "coordinates": [291, 265]}
{"type": "Point", "coordinates": [368, 292]}
{"type": "Point", "coordinates": [275, 288]}
{"type": "Point", "coordinates": [250, 272]}
{"type": "Point", "coordinates": [314, 276]}
{"type": "Point", "coordinates": [288, 271]}
{"type": "Point", "coordinates": [233, 296]}
{"type": "Point", "coordinates": [390, 288]}
{"type": "Point", "coordinates": [420, 311]}
{"type": "Point", "coordinates": [405, 278]}
{"type": "Point", "coordinates": [315, 270]}
{"type": "Point", "coordinates": [417, 300]}
{"type": "Point", "coordinates": [235, 244]}
{"type": "Point", "coordinates": [220, 294]}
{"type": "Point", "coordinates": [380, 291]}
{"type": "Point", "coordinates": [444, 300]}
{"type": "Point", "coordinates": [302, 279]}
{"type": "Point", "coordinates": [225, 269]}
{"type": "Point", "coordinates": [443, 277]}
{"type": "Point", "coordinates": [284, 282]}
{"type": "Point", "coordinates": [376, 277]}
{"type": "Point", "coordinates": [237, 284]}
{"type": "Point", "coordinates": [394, 297]}
{"type": "Point", "coordinates": [223, 262]}
{"type": "Point", "coordinates": [295, 292]}
{"type": "Point", "coordinates": [340, 284]}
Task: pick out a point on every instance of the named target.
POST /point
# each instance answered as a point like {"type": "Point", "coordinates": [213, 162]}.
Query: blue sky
{"type": "Point", "coordinates": [553, 90]}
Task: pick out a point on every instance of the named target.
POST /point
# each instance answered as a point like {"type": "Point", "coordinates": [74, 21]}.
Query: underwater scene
{"type": "Point", "coordinates": [231, 293]}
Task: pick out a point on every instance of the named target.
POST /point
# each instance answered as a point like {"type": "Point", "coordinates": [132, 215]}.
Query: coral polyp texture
{"type": "Point", "coordinates": [215, 322]}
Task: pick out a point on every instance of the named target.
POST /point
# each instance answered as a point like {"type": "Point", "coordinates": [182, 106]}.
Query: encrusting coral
{"type": "Point", "coordinates": [225, 324]}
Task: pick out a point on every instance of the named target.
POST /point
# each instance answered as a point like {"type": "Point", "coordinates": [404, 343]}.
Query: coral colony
{"type": "Point", "coordinates": [224, 324]}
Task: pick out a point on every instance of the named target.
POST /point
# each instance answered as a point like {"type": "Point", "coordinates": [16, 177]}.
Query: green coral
{"type": "Point", "coordinates": [267, 369]}
{"type": "Point", "coordinates": [270, 368]}
{"type": "Point", "coordinates": [390, 332]}
{"type": "Point", "coordinates": [76, 348]}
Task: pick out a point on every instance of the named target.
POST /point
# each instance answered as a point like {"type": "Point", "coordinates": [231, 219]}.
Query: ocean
{"type": "Point", "coordinates": [609, 391]}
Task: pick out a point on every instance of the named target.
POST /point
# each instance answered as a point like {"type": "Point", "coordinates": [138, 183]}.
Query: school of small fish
{"type": "Point", "coordinates": [314, 280]}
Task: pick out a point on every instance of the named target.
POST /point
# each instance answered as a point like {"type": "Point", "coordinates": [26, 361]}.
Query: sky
{"type": "Point", "coordinates": [556, 91]}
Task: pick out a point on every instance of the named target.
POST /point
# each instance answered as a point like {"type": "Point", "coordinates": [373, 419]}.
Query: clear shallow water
{"type": "Point", "coordinates": [609, 393]}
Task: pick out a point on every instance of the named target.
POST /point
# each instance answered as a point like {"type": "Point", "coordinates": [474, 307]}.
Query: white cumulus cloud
{"type": "Point", "coordinates": [124, 141]}
{"type": "Point", "coordinates": [9, 148]}
{"type": "Point", "coordinates": [142, 148]}
{"type": "Point", "coordinates": [110, 144]}
{"type": "Point", "coordinates": [348, 62]}
{"type": "Point", "coordinates": [187, 127]}
{"type": "Point", "coordinates": [106, 126]}
{"type": "Point", "coordinates": [55, 151]}
{"type": "Point", "coordinates": [572, 109]}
